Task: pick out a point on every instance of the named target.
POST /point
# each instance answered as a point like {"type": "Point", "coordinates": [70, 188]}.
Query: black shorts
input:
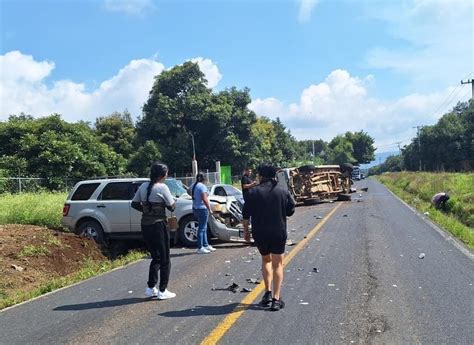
{"type": "Point", "coordinates": [270, 246]}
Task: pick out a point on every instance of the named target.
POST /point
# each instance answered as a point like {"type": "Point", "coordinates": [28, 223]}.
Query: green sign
{"type": "Point", "coordinates": [226, 174]}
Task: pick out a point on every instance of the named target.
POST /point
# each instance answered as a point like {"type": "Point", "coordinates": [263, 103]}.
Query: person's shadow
{"type": "Point", "coordinates": [205, 310]}
{"type": "Point", "coordinates": [103, 304]}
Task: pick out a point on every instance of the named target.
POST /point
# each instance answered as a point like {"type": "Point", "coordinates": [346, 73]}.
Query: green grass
{"type": "Point", "coordinates": [31, 250]}
{"type": "Point", "coordinates": [417, 189]}
{"type": "Point", "coordinates": [43, 208]}
{"type": "Point", "coordinates": [90, 269]}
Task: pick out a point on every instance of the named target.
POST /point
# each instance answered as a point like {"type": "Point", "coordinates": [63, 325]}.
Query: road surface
{"type": "Point", "coordinates": [371, 287]}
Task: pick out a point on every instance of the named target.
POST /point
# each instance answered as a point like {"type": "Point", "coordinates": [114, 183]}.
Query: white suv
{"type": "Point", "coordinates": [101, 209]}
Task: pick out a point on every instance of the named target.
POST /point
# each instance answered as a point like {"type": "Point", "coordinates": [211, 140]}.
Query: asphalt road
{"type": "Point", "coordinates": [371, 288]}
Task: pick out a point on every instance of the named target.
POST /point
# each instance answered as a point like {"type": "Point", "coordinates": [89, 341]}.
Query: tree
{"type": "Point", "coordinates": [140, 161]}
{"type": "Point", "coordinates": [117, 131]}
{"type": "Point", "coordinates": [340, 151]}
{"type": "Point", "coordinates": [55, 149]}
{"type": "Point", "coordinates": [180, 105]}
{"type": "Point", "coordinates": [362, 145]}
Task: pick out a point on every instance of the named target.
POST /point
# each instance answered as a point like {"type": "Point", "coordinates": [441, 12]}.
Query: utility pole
{"type": "Point", "coordinates": [469, 81]}
{"type": "Point", "coordinates": [419, 142]}
{"type": "Point", "coordinates": [399, 148]}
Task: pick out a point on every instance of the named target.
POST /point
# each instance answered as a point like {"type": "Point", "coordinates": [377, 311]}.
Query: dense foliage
{"type": "Point", "coordinates": [446, 146]}
{"type": "Point", "coordinates": [180, 108]}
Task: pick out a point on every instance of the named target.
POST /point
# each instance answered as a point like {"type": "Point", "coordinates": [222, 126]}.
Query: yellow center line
{"type": "Point", "coordinates": [222, 328]}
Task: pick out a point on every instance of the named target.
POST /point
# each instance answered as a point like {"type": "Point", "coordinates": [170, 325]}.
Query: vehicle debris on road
{"type": "Point", "coordinates": [246, 289]}
{"type": "Point", "coordinates": [421, 256]}
{"type": "Point", "coordinates": [18, 268]}
{"type": "Point", "coordinates": [253, 280]}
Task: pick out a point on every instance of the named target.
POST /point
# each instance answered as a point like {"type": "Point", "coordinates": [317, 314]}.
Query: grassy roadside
{"type": "Point", "coordinates": [417, 189]}
{"type": "Point", "coordinates": [90, 269]}
{"type": "Point", "coordinates": [43, 209]}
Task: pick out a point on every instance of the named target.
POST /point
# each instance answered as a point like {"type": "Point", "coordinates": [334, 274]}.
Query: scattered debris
{"type": "Point", "coordinates": [426, 213]}
{"type": "Point", "coordinates": [300, 269]}
{"type": "Point", "coordinates": [318, 217]}
{"type": "Point", "coordinates": [366, 189]}
{"type": "Point", "coordinates": [227, 261]}
{"type": "Point", "coordinates": [228, 274]}
{"type": "Point", "coordinates": [130, 291]}
{"type": "Point", "coordinates": [18, 268]}
{"type": "Point", "coordinates": [365, 294]}
{"type": "Point", "coordinates": [98, 289]}
{"type": "Point", "coordinates": [345, 215]}
{"type": "Point", "coordinates": [421, 256]}
{"type": "Point", "coordinates": [360, 195]}
{"type": "Point", "coordinates": [290, 243]}
{"type": "Point", "coordinates": [358, 200]}
{"type": "Point", "coordinates": [394, 285]}
{"type": "Point", "coordinates": [304, 303]}
{"type": "Point", "coordinates": [331, 285]}
{"type": "Point", "coordinates": [315, 269]}
{"type": "Point", "coordinates": [253, 281]}
{"type": "Point", "coordinates": [233, 287]}
{"type": "Point", "coordinates": [246, 289]}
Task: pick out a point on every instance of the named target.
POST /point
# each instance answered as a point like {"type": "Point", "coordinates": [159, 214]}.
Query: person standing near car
{"type": "Point", "coordinates": [201, 210]}
{"type": "Point", "coordinates": [152, 199]}
{"type": "Point", "coordinates": [246, 182]}
{"type": "Point", "coordinates": [268, 205]}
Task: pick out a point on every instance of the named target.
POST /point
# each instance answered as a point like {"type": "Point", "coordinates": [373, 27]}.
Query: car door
{"type": "Point", "coordinates": [114, 203]}
{"type": "Point", "coordinates": [135, 216]}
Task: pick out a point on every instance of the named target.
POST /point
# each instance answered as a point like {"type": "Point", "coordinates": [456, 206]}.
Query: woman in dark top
{"type": "Point", "coordinates": [152, 199]}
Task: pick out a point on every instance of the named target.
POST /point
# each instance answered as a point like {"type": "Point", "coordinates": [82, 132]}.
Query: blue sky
{"type": "Point", "coordinates": [322, 66]}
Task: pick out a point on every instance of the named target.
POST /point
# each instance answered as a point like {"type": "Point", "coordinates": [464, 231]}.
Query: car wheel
{"type": "Point", "coordinates": [93, 230]}
{"type": "Point", "coordinates": [188, 228]}
{"type": "Point", "coordinates": [305, 169]}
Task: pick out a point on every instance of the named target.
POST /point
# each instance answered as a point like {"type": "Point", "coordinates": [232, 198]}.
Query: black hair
{"type": "Point", "coordinates": [200, 177]}
{"type": "Point", "coordinates": [157, 172]}
{"type": "Point", "coordinates": [267, 171]}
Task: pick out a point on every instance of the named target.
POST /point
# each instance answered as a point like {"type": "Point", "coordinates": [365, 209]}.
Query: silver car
{"type": "Point", "coordinates": [101, 209]}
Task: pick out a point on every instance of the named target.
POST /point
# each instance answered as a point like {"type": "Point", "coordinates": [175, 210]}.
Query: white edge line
{"type": "Point", "coordinates": [69, 286]}
{"type": "Point", "coordinates": [446, 235]}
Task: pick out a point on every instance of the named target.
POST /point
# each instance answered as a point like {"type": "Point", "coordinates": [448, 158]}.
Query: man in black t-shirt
{"type": "Point", "coordinates": [268, 205]}
{"type": "Point", "coordinates": [246, 182]}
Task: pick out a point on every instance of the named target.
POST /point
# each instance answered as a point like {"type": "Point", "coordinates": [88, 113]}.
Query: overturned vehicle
{"type": "Point", "coordinates": [310, 183]}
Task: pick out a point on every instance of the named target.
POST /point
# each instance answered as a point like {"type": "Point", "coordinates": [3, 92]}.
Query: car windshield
{"type": "Point", "coordinates": [176, 187]}
{"type": "Point", "coordinates": [232, 191]}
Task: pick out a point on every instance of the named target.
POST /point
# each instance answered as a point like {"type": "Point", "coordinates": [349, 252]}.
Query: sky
{"type": "Point", "coordinates": [323, 67]}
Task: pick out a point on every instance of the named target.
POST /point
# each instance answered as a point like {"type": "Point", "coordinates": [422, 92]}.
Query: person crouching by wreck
{"type": "Point", "coordinates": [152, 199]}
{"type": "Point", "coordinates": [267, 205]}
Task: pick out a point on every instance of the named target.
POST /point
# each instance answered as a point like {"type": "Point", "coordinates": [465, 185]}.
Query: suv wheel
{"type": "Point", "coordinates": [188, 228]}
{"type": "Point", "coordinates": [92, 229]}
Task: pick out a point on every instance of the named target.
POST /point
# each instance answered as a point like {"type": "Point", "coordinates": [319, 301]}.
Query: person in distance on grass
{"type": "Point", "coordinates": [268, 205]}
{"type": "Point", "coordinates": [152, 199]}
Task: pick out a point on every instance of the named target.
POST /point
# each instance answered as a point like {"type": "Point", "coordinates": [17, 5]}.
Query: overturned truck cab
{"type": "Point", "coordinates": [314, 183]}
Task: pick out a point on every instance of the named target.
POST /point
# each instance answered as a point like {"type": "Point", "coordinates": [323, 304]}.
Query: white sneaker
{"type": "Point", "coordinates": [151, 292]}
{"type": "Point", "coordinates": [203, 250]}
{"type": "Point", "coordinates": [166, 294]}
{"type": "Point", "coordinates": [210, 248]}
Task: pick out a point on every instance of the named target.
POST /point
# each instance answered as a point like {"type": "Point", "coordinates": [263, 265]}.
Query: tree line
{"type": "Point", "coordinates": [446, 146]}
{"type": "Point", "coordinates": [180, 108]}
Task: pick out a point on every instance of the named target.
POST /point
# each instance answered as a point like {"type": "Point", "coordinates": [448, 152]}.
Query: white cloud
{"type": "Point", "coordinates": [343, 103]}
{"type": "Point", "coordinates": [210, 69]}
{"type": "Point", "coordinates": [23, 88]}
{"type": "Point", "coordinates": [130, 7]}
{"type": "Point", "coordinates": [305, 9]}
{"type": "Point", "coordinates": [435, 40]}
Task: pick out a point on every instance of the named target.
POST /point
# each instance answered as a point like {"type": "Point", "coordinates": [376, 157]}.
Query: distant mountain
{"type": "Point", "coordinates": [379, 158]}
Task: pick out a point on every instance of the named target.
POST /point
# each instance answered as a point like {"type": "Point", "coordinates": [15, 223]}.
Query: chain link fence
{"type": "Point", "coordinates": [211, 177]}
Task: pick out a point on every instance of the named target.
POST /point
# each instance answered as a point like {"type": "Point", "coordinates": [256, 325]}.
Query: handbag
{"type": "Point", "coordinates": [172, 222]}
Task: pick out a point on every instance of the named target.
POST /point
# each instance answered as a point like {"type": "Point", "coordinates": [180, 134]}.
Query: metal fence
{"type": "Point", "coordinates": [211, 177]}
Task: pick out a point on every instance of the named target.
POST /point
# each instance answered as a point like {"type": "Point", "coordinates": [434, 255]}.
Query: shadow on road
{"type": "Point", "coordinates": [202, 310]}
{"type": "Point", "coordinates": [103, 304]}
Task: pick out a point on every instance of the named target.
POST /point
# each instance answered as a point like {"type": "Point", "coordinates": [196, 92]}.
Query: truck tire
{"type": "Point", "coordinates": [93, 230]}
{"type": "Point", "coordinates": [187, 232]}
{"type": "Point", "coordinates": [344, 197]}
{"type": "Point", "coordinates": [306, 168]}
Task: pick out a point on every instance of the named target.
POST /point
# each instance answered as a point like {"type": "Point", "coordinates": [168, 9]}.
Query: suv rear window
{"type": "Point", "coordinates": [117, 191]}
{"type": "Point", "coordinates": [84, 191]}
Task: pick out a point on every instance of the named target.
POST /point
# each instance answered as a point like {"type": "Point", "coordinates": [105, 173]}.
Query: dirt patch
{"type": "Point", "coordinates": [31, 256]}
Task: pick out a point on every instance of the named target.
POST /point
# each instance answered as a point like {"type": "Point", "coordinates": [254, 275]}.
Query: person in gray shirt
{"type": "Point", "coordinates": [152, 199]}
